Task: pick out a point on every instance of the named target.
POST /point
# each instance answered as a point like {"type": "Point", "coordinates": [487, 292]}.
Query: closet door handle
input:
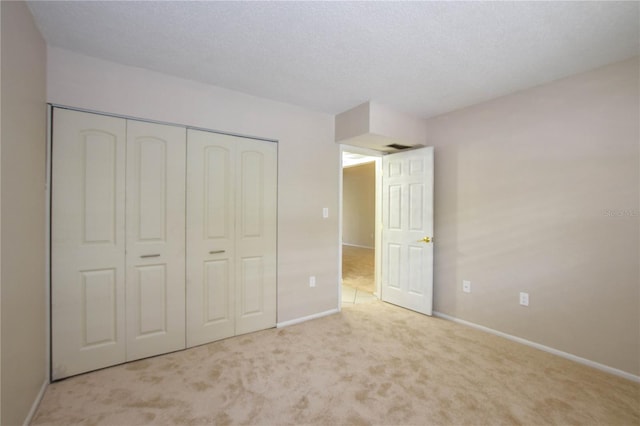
{"type": "Point", "coordinates": [149, 255]}
{"type": "Point", "coordinates": [216, 251]}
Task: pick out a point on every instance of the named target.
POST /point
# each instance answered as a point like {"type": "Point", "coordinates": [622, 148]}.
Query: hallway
{"type": "Point", "coordinates": [358, 275]}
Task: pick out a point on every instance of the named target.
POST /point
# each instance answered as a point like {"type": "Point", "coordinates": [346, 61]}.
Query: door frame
{"type": "Point", "coordinates": [47, 242]}
{"type": "Point", "coordinates": [378, 216]}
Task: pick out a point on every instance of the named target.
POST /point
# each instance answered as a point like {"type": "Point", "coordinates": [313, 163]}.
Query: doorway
{"type": "Point", "coordinates": [359, 233]}
{"type": "Point", "coordinates": [405, 230]}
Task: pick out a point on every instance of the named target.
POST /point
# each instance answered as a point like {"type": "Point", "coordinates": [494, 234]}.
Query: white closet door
{"type": "Point", "coordinates": [256, 225]}
{"type": "Point", "coordinates": [155, 260]}
{"type": "Point", "coordinates": [231, 236]}
{"type": "Point", "coordinates": [210, 237]}
{"type": "Point", "coordinates": [88, 240]}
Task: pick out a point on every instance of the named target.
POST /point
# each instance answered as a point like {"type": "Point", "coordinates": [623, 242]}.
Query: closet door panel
{"type": "Point", "coordinates": [155, 239]}
{"type": "Point", "coordinates": [216, 286]}
{"type": "Point", "coordinates": [87, 242]}
{"type": "Point", "coordinates": [216, 179]}
{"type": "Point", "coordinates": [99, 306]}
{"type": "Point", "coordinates": [151, 193]}
{"type": "Point", "coordinates": [256, 206]}
{"type": "Point", "coordinates": [251, 287]}
{"type": "Point", "coordinates": [210, 237]}
{"type": "Point", "coordinates": [152, 303]}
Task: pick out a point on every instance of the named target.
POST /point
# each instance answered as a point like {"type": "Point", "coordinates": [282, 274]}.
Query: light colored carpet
{"type": "Point", "coordinates": [358, 268]}
{"type": "Point", "coordinates": [373, 363]}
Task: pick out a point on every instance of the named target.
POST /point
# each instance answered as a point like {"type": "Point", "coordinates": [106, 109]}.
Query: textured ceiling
{"type": "Point", "coordinates": [424, 58]}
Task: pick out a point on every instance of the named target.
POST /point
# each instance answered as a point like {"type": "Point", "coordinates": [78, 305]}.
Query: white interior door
{"type": "Point", "coordinates": [407, 229]}
{"type": "Point", "coordinates": [255, 236]}
{"type": "Point", "coordinates": [88, 241]}
{"type": "Point", "coordinates": [155, 258]}
{"type": "Point", "coordinates": [210, 237]}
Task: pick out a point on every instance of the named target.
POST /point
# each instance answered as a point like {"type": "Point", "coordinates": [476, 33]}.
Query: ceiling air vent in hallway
{"type": "Point", "coordinates": [398, 146]}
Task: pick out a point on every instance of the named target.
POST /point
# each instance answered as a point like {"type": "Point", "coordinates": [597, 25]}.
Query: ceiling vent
{"type": "Point", "coordinates": [398, 146]}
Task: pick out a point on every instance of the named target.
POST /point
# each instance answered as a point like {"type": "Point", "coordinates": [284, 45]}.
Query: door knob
{"type": "Point", "coordinates": [426, 240]}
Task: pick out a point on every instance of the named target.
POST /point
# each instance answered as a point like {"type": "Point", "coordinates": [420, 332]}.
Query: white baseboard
{"type": "Point", "coordinates": [36, 404]}
{"type": "Point", "coordinates": [357, 245]}
{"type": "Point", "coordinates": [307, 318]}
{"type": "Point", "coordinates": [544, 348]}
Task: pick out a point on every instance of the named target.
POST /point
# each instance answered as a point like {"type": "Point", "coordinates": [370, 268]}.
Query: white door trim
{"type": "Point", "coordinates": [168, 123]}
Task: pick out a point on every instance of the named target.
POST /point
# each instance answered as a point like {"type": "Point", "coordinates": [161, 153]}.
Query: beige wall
{"type": "Point", "coordinates": [0, 214]}
{"type": "Point", "coordinates": [539, 192]}
{"type": "Point", "coordinates": [308, 158]}
{"type": "Point", "coordinates": [359, 205]}
{"type": "Point", "coordinates": [22, 223]}
{"type": "Point", "coordinates": [375, 126]}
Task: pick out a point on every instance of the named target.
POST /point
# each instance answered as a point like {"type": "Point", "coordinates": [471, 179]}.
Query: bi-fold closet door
{"type": "Point", "coordinates": [155, 235]}
{"type": "Point", "coordinates": [117, 239]}
{"type": "Point", "coordinates": [87, 242]}
{"type": "Point", "coordinates": [122, 249]}
{"type": "Point", "coordinates": [231, 236]}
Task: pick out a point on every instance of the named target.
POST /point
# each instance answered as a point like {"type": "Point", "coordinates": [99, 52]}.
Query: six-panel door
{"type": "Point", "coordinates": [407, 218]}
